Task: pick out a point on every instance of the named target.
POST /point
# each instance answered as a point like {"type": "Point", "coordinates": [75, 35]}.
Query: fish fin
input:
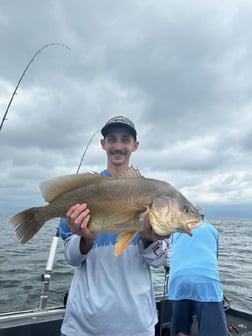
{"type": "Point", "coordinates": [130, 173]}
{"type": "Point", "coordinates": [123, 241]}
{"type": "Point", "coordinates": [27, 223]}
{"type": "Point", "coordinates": [57, 186]}
{"type": "Point", "coordinates": [121, 218]}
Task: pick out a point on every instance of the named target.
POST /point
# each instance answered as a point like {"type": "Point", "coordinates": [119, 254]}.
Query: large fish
{"type": "Point", "coordinates": [117, 205]}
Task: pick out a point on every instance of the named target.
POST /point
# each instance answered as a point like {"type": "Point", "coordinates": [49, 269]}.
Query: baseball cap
{"type": "Point", "coordinates": [119, 121]}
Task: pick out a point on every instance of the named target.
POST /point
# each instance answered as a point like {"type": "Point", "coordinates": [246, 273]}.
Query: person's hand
{"type": "Point", "coordinates": [78, 218]}
{"type": "Point", "coordinates": [148, 235]}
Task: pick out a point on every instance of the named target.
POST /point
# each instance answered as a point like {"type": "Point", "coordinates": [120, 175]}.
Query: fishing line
{"type": "Point", "coordinates": [23, 74]}
{"type": "Point", "coordinates": [85, 150]}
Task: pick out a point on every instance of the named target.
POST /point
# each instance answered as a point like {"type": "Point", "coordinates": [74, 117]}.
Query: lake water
{"type": "Point", "coordinates": [23, 265]}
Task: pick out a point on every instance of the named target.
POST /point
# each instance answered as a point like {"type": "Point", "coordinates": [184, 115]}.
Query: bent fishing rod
{"type": "Point", "coordinates": [23, 74]}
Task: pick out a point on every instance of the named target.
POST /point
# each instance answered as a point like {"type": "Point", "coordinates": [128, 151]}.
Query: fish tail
{"type": "Point", "coordinates": [27, 223]}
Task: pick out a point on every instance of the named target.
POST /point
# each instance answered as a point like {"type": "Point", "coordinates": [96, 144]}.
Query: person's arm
{"type": "Point", "coordinates": [64, 230]}
{"type": "Point", "coordinates": [156, 254]}
{"type": "Point", "coordinates": [145, 240]}
{"type": "Point", "coordinates": [85, 244]}
{"type": "Point", "coordinates": [148, 235]}
{"type": "Point", "coordinates": [153, 247]}
{"type": "Point", "coordinates": [72, 250]}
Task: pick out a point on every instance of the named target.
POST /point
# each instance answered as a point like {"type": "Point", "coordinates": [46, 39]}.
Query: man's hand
{"type": "Point", "coordinates": [78, 218]}
{"type": "Point", "coordinates": [148, 235]}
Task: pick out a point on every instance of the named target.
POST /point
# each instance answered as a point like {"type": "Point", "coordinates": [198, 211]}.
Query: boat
{"type": "Point", "coordinates": [47, 320]}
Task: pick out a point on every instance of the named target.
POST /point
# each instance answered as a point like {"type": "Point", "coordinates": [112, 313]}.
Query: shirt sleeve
{"type": "Point", "coordinates": [156, 254]}
{"type": "Point", "coordinates": [72, 250]}
{"type": "Point", "coordinates": [64, 230]}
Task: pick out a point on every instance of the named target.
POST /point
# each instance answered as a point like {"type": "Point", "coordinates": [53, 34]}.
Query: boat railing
{"type": "Point", "coordinates": [46, 277]}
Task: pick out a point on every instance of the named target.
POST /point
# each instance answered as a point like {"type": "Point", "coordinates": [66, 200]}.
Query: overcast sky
{"type": "Point", "coordinates": [181, 70]}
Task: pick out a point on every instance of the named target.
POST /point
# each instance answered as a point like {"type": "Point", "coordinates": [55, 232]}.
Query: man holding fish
{"type": "Point", "coordinates": [117, 222]}
{"type": "Point", "coordinates": [112, 295]}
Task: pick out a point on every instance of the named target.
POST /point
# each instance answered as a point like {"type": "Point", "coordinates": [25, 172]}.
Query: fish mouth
{"type": "Point", "coordinates": [191, 225]}
{"type": "Point", "coordinates": [194, 222]}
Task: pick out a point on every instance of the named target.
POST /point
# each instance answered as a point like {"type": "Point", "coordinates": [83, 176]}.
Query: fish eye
{"type": "Point", "coordinates": [186, 210]}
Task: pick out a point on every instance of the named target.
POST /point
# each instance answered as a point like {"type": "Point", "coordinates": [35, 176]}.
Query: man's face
{"type": "Point", "coordinates": [119, 144]}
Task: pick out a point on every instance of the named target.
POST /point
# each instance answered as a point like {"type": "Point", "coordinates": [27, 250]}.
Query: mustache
{"type": "Point", "coordinates": [121, 152]}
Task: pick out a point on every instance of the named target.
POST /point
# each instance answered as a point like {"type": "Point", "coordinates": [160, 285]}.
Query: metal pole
{"type": "Point", "coordinates": [48, 271]}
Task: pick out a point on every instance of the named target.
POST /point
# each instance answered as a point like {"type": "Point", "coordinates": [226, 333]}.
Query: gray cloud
{"type": "Point", "coordinates": [181, 71]}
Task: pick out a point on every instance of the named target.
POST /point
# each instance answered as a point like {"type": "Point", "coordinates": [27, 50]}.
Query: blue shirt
{"type": "Point", "coordinates": [194, 266]}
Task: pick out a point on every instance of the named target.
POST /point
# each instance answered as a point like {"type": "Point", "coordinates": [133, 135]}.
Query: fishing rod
{"type": "Point", "coordinates": [53, 248]}
{"type": "Point", "coordinates": [23, 74]}
{"type": "Point", "coordinates": [85, 150]}
{"type": "Point", "coordinates": [162, 304]}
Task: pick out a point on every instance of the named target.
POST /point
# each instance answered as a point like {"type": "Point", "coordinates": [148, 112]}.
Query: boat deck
{"type": "Point", "coordinates": [35, 323]}
{"type": "Point", "coordinates": [239, 323]}
{"type": "Point", "coordinates": [236, 325]}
